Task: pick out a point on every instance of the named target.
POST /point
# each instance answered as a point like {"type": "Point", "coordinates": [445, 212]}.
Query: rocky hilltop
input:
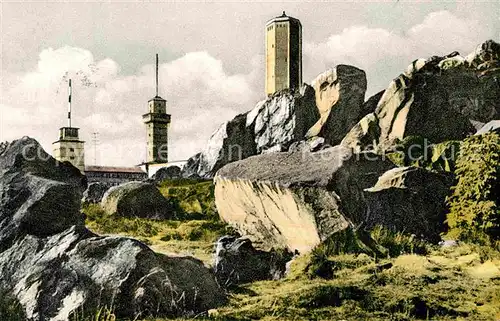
{"type": "Point", "coordinates": [306, 173]}
{"type": "Point", "coordinates": [55, 267]}
{"type": "Point", "coordinates": [299, 198]}
{"type": "Point", "coordinates": [439, 98]}
{"type": "Point", "coordinates": [328, 108]}
{"type": "Point", "coordinates": [421, 101]}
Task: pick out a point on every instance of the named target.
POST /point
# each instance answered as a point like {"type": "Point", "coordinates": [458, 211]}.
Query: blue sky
{"type": "Point", "coordinates": [211, 56]}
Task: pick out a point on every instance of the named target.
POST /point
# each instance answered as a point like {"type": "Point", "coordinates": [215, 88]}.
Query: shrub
{"type": "Point", "coordinates": [473, 211]}
{"type": "Point", "coordinates": [195, 198]}
{"type": "Point", "coordinates": [398, 243]}
{"type": "Point", "coordinates": [10, 308]}
{"type": "Point", "coordinates": [379, 243]}
{"type": "Point", "coordinates": [418, 151]}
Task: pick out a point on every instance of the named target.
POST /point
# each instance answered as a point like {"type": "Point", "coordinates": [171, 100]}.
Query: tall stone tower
{"type": "Point", "coordinates": [283, 54]}
{"type": "Point", "coordinates": [69, 147]}
{"type": "Point", "coordinates": [157, 121]}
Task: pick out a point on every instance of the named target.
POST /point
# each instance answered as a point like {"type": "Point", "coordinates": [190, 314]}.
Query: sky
{"type": "Point", "coordinates": [211, 60]}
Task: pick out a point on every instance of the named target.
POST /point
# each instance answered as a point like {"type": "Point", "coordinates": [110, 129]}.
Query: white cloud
{"type": "Point", "coordinates": [199, 91]}
{"type": "Point", "coordinates": [376, 49]}
{"type": "Point", "coordinates": [358, 45]}
{"type": "Point", "coordinates": [442, 32]}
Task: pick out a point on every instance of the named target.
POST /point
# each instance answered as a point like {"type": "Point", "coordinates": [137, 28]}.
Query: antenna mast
{"type": "Point", "coordinates": [69, 104]}
{"type": "Point", "coordinates": [156, 75]}
{"type": "Point", "coordinates": [95, 141]}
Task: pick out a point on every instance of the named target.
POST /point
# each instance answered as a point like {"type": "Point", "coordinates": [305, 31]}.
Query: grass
{"type": "Point", "coordinates": [194, 197]}
{"type": "Point", "coordinates": [442, 285]}
{"type": "Point", "coordinates": [351, 276]}
{"type": "Point", "coordinates": [193, 232]}
{"type": "Point", "coordinates": [182, 237]}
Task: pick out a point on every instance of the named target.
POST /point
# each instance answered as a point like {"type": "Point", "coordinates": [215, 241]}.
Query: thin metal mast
{"type": "Point", "coordinates": [156, 75]}
{"type": "Point", "coordinates": [69, 104]}
{"type": "Point", "coordinates": [95, 141]}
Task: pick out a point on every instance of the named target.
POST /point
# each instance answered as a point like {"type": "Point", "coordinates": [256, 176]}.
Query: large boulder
{"type": "Point", "coordinates": [272, 125]}
{"type": "Point", "coordinates": [171, 172]}
{"type": "Point", "coordinates": [410, 200]}
{"type": "Point", "coordinates": [432, 92]}
{"type": "Point", "coordinates": [137, 199]}
{"type": "Point", "coordinates": [283, 118]}
{"type": "Point", "coordinates": [232, 141]}
{"type": "Point", "coordinates": [191, 167]}
{"type": "Point", "coordinates": [340, 93]}
{"type": "Point", "coordinates": [56, 268]}
{"type": "Point", "coordinates": [237, 261]}
{"type": "Point", "coordinates": [298, 199]}
{"type": "Point", "coordinates": [94, 192]}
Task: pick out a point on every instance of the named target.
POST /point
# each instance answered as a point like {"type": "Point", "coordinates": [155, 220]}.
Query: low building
{"type": "Point", "coordinates": [112, 176]}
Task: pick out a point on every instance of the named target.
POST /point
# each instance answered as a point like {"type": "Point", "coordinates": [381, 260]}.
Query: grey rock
{"type": "Point", "coordinates": [493, 125]}
{"type": "Point", "coordinates": [171, 172]}
{"type": "Point", "coordinates": [137, 199]}
{"type": "Point", "coordinates": [55, 267]}
{"type": "Point", "coordinates": [94, 192]}
{"type": "Point", "coordinates": [296, 200]}
{"type": "Point", "coordinates": [370, 105]}
{"type": "Point", "coordinates": [487, 52]}
{"type": "Point", "coordinates": [237, 261]}
{"type": "Point", "coordinates": [283, 119]}
{"type": "Point", "coordinates": [340, 93]}
{"type": "Point", "coordinates": [423, 100]}
{"type": "Point", "coordinates": [271, 126]}
{"type": "Point", "coordinates": [232, 141]}
{"type": "Point", "coordinates": [31, 189]}
{"type": "Point", "coordinates": [192, 165]}
{"type": "Point", "coordinates": [410, 200]}
{"type": "Point", "coordinates": [312, 145]}
{"type": "Point", "coordinates": [364, 136]}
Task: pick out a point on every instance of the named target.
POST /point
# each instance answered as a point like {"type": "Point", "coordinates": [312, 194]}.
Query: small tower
{"type": "Point", "coordinates": [69, 147]}
{"type": "Point", "coordinates": [157, 121]}
{"type": "Point", "coordinates": [283, 54]}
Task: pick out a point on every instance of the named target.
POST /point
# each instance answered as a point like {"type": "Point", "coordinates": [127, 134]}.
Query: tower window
{"type": "Point", "coordinates": [72, 157]}
{"type": "Point", "coordinates": [71, 149]}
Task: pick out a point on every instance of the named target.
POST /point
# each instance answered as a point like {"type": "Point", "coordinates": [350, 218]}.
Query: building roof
{"type": "Point", "coordinates": [114, 169]}
{"type": "Point", "coordinates": [283, 17]}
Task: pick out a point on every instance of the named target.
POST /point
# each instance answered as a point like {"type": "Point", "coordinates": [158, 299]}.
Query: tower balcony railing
{"type": "Point", "coordinates": [156, 117]}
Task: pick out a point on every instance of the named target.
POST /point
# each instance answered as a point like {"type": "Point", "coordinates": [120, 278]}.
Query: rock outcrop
{"type": "Point", "coordinates": [273, 125]}
{"type": "Point", "coordinates": [493, 125]}
{"type": "Point", "coordinates": [295, 200]}
{"type": "Point", "coordinates": [237, 261]}
{"type": "Point", "coordinates": [137, 199]}
{"type": "Point", "coordinates": [232, 141]}
{"type": "Point", "coordinates": [410, 200]}
{"type": "Point", "coordinates": [55, 267]}
{"type": "Point", "coordinates": [171, 172]}
{"type": "Point", "coordinates": [432, 92]}
{"type": "Point", "coordinates": [94, 192]}
{"type": "Point", "coordinates": [192, 166]}
{"type": "Point", "coordinates": [340, 93]}
{"type": "Point", "coordinates": [283, 119]}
